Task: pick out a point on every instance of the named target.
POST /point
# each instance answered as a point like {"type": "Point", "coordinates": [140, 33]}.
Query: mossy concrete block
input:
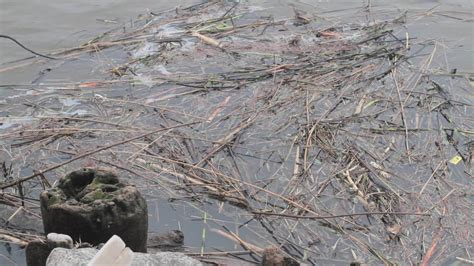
{"type": "Point", "coordinates": [91, 205]}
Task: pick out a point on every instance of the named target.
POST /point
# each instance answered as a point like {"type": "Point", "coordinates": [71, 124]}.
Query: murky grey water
{"type": "Point", "coordinates": [50, 25]}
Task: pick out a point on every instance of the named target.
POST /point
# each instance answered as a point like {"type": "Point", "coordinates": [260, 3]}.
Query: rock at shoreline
{"type": "Point", "coordinates": [37, 252]}
{"type": "Point", "coordinates": [273, 256]}
{"type": "Point", "coordinates": [92, 205]}
{"type": "Point", "coordinates": [82, 256]}
{"type": "Point", "coordinates": [169, 241]}
{"type": "Point", "coordinates": [55, 240]}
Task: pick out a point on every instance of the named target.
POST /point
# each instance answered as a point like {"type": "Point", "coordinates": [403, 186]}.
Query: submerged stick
{"type": "Point", "coordinates": [313, 217]}
{"type": "Point", "coordinates": [24, 47]}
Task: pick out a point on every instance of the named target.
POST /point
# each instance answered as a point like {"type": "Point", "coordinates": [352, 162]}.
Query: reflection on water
{"type": "Point", "coordinates": [11, 255]}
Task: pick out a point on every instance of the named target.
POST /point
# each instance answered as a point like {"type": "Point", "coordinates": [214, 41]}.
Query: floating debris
{"type": "Point", "coordinates": [331, 142]}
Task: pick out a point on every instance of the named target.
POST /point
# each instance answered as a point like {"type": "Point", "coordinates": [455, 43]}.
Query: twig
{"type": "Point", "coordinates": [313, 217]}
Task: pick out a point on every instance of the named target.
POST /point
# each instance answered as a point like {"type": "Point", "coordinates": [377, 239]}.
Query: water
{"type": "Point", "coordinates": [50, 25]}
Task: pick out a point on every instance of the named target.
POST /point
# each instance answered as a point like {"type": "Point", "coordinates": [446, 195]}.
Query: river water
{"type": "Point", "coordinates": [49, 25]}
{"type": "Point", "coordinates": [46, 26]}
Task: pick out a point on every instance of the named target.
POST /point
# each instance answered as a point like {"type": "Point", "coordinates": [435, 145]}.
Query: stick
{"type": "Point", "coordinates": [317, 217]}
{"type": "Point", "coordinates": [207, 40]}
{"type": "Point", "coordinates": [29, 50]}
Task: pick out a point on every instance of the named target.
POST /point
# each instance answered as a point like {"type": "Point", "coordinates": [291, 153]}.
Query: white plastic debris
{"type": "Point", "coordinates": [113, 253]}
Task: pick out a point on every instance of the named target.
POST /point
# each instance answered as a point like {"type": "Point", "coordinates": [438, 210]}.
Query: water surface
{"type": "Point", "coordinates": [46, 26]}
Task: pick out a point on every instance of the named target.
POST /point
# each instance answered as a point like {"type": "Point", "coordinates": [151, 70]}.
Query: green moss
{"type": "Point", "coordinates": [105, 177]}
{"type": "Point", "coordinates": [87, 185]}
{"type": "Point", "coordinates": [76, 181]}
{"type": "Point", "coordinates": [96, 194]}
{"type": "Point", "coordinates": [54, 199]}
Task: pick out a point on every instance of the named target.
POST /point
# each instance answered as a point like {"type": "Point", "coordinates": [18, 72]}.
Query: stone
{"type": "Point", "coordinates": [91, 205]}
{"type": "Point", "coordinates": [37, 252]}
{"type": "Point", "coordinates": [170, 241]}
{"type": "Point", "coordinates": [170, 258]}
{"type": "Point", "coordinates": [59, 241]}
{"type": "Point", "coordinates": [273, 256]}
{"type": "Point", "coordinates": [82, 256]}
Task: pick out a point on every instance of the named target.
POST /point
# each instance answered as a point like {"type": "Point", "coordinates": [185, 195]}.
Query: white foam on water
{"type": "Point", "coordinates": [76, 112]}
{"type": "Point", "coordinates": [68, 102]}
{"type": "Point", "coordinates": [168, 30]}
{"type": "Point", "coordinates": [162, 70]}
{"type": "Point", "coordinates": [145, 80]}
{"type": "Point", "coordinates": [148, 48]}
